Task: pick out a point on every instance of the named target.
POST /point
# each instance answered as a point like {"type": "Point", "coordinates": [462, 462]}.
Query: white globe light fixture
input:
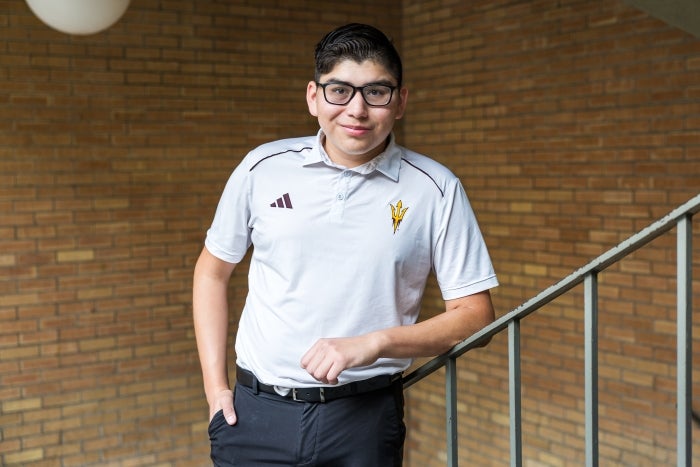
{"type": "Point", "coordinates": [79, 16]}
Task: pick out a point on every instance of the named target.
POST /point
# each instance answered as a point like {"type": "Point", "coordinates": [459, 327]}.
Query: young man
{"type": "Point", "coordinates": [346, 226]}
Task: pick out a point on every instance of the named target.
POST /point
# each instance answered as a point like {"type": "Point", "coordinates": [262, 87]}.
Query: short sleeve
{"type": "Point", "coordinates": [461, 262]}
{"type": "Point", "coordinates": [229, 237]}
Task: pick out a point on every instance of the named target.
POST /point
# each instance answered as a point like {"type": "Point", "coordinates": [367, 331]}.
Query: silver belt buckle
{"type": "Point", "coordinates": [321, 393]}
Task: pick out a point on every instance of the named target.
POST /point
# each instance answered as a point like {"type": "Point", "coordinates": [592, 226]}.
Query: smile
{"type": "Point", "coordinates": [356, 130]}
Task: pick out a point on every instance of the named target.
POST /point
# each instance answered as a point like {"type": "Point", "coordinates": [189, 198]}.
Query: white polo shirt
{"type": "Point", "coordinates": [341, 252]}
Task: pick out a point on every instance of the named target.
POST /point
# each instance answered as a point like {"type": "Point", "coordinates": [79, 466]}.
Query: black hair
{"type": "Point", "coordinates": [357, 42]}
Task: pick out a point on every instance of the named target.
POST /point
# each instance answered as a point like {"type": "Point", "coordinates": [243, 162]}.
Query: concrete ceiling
{"type": "Point", "coordinates": [684, 14]}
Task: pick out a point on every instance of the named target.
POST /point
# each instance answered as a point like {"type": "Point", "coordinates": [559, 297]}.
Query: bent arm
{"type": "Point", "coordinates": [210, 314]}
{"type": "Point", "coordinates": [462, 317]}
{"type": "Point", "coordinates": [327, 358]}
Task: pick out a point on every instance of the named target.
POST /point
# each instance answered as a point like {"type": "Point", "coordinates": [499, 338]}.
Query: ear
{"type": "Point", "coordinates": [403, 98]}
{"type": "Point", "coordinates": [311, 91]}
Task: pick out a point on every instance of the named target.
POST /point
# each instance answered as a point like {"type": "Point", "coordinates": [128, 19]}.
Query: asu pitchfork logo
{"type": "Point", "coordinates": [397, 213]}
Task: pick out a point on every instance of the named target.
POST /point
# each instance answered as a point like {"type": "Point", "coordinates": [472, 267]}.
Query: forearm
{"type": "Point", "coordinates": [328, 357]}
{"type": "Point", "coordinates": [210, 315]}
{"type": "Point", "coordinates": [437, 335]}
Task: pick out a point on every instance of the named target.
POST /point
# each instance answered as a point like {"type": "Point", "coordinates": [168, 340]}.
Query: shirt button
{"type": "Point", "coordinates": [346, 173]}
{"type": "Point", "coordinates": [340, 196]}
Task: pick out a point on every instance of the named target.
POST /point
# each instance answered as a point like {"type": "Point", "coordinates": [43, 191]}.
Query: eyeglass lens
{"type": "Point", "coordinates": [373, 94]}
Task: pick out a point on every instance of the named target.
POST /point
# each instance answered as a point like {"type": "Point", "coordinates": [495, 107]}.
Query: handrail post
{"type": "Point", "coordinates": [514, 389]}
{"type": "Point", "coordinates": [590, 286]}
{"type": "Point", "coordinates": [684, 340]}
{"type": "Point", "coordinates": [451, 408]}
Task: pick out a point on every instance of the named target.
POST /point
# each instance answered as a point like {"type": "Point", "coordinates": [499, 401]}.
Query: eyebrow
{"type": "Point", "coordinates": [383, 82]}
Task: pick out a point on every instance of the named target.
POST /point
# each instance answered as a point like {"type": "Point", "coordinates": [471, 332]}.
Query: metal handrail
{"type": "Point", "coordinates": [680, 217]}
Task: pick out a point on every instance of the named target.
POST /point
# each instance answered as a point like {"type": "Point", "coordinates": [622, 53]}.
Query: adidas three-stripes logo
{"type": "Point", "coordinates": [282, 202]}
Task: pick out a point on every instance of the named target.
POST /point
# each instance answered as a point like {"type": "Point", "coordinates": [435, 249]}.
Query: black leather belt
{"type": "Point", "coordinates": [319, 394]}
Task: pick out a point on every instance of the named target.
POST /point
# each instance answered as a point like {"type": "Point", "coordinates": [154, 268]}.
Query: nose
{"type": "Point", "coordinates": [357, 106]}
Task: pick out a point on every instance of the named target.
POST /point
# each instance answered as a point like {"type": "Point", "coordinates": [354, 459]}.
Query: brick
{"type": "Point", "coordinates": [21, 404]}
{"type": "Point", "coordinates": [91, 345]}
{"type": "Point", "coordinates": [75, 255]}
{"type": "Point", "coordinates": [28, 455]}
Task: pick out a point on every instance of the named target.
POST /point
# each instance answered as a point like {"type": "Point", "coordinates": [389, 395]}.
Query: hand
{"type": "Point", "coordinates": [327, 358]}
{"type": "Point", "coordinates": [223, 401]}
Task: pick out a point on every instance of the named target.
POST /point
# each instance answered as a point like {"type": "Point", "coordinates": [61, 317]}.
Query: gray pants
{"type": "Point", "coordinates": [366, 430]}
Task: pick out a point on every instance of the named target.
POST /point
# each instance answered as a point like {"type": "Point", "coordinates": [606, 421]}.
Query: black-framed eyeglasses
{"type": "Point", "coordinates": [375, 95]}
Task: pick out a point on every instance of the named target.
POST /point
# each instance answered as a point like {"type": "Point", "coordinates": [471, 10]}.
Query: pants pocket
{"type": "Point", "coordinates": [216, 422]}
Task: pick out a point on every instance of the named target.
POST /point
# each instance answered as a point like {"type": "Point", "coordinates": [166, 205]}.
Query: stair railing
{"type": "Point", "coordinates": [680, 218]}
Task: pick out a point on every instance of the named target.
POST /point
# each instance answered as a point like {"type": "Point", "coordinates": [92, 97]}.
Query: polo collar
{"type": "Point", "coordinates": [387, 162]}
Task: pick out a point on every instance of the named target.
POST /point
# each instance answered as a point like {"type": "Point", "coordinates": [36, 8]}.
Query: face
{"type": "Point", "coordinates": [355, 132]}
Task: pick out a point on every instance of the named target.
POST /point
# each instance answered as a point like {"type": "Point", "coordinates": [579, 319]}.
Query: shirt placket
{"type": "Point", "coordinates": [341, 192]}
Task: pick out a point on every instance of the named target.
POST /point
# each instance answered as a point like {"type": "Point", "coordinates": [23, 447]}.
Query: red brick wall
{"type": "Point", "coordinates": [114, 149]}
{"type": "Point", "coordinates": [573, 125]}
